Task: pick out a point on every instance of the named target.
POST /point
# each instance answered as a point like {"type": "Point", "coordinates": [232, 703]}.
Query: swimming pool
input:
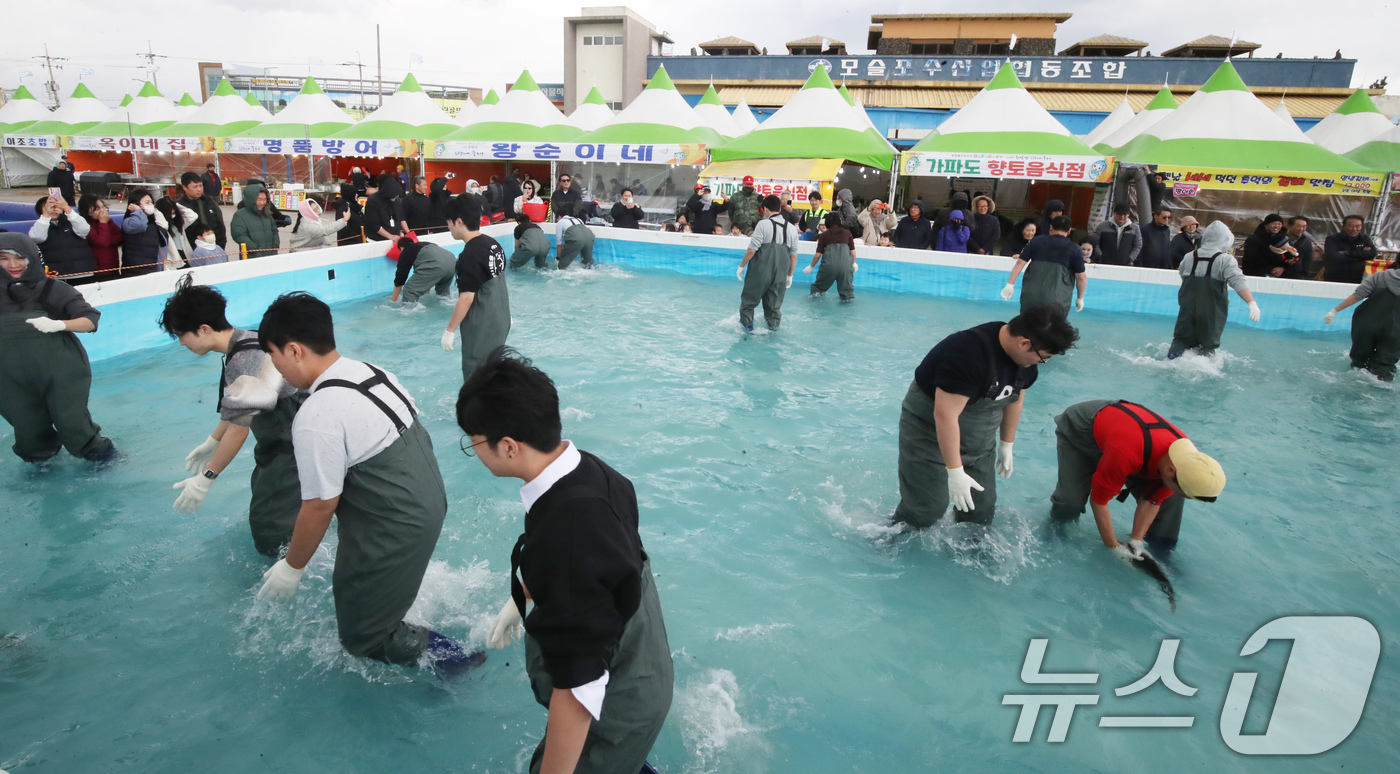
{"type": "Point", "coordinates": [806, 636]}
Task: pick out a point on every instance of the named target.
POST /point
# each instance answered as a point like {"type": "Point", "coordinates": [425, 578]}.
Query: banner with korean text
{"type": "Point", "coordinates": [138, 144]}
{"type": "Point", "coordinates": [282, 146]}
{"type": "Point", "coordinates": [1019, 166]}
{"type": "Point", "coordinates": [616, 153]}
{"type": "Point", "coordinates": [1186, 181]}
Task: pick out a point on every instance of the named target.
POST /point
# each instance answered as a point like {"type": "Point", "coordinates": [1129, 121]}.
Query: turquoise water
{"type": "Point", "coordinates": [807, 636]}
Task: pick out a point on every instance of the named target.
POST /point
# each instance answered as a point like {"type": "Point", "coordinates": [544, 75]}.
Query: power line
{"type": "Point", "coordinates": [52, 86]}
{"type": "Point", "coordinates": [151, 63]}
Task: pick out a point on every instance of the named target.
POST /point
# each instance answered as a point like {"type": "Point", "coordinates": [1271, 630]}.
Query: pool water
{"type": "Point", "coordinates": [807, 635]}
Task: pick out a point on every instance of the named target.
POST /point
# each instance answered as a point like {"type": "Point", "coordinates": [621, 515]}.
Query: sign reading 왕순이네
{"type": "Point", "coordinates": [1186, 181]}
{"type": "Point", "coordinates": [1019, 166]}
{"type": "Point", "coordinates": [615, 153]}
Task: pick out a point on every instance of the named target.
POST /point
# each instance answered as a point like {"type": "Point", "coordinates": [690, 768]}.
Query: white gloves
{"type": "Point", "coordinates": [1254, 313]}
{"type": "Point", "coordinates": [1008, 291]}
{"type": "Point", "coordinates": [1138, 547]}
{"type": "Point", "coordinates": [1004, 459]}
{"type": "Point", "coordinates": [740, 272]}
{"type": "Point", "coordinates": [197, 460]}
{"type": "Point", "coordinates": [960, 486]}
{"type": "Point", "coordinates": [807, 269]}
{"type": "Point", "coordinates": [1329, 317]}
{"type": "Point", "coordinates": [855, 267]}
{"type": "Point", "coordinates": [789, 281]}
{"type": "Point", "coordinates": [280, 581]}
{"type": "Point", "coordinates": [506, 629]}
{"type": "Point", "coordinates": [250, 392]}
{"type": "Point", "coordinates": [447, 337]}
{"type": "Point", "coordinates": [1079, 304]}
{"type": "Point", "coordinates": [1121, 551]}
{"type": "Point", "coordinates": [47, 325]}
{"type": "Point", "coordinates": [195, 488]}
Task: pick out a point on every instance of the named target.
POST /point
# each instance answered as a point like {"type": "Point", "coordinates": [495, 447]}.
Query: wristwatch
{"type": "Point", "coordinates": [211, 475]}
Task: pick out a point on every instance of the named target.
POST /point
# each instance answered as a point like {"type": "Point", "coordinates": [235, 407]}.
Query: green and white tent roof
{"type": "Point", "coordinates": [488, 104]}
{"type": "Point", "coordinates": [1160, 107]}
{"type": "Point", "coordinates": [1281, 110]}
{"type": "Point", "coordinates": [743, 117]}
{"type": "Point", "coordinates": [21, 110]}
{"type": "Point", "coordinates": [658, 116]}
{"type": "Point", "coordinates": [126, 100]}
{"type": "Point", "coordinates": [1354, 123]}
{"type": "Point", "coordinates": [310, 114]}
{"type": "Point", "coordinates": [256, 111]}
{"type": "Point", "coordinates": [467, 113]}
{"type": "Point", "coordinates": [147, 113]}
{"type": "Point", "coordinates": [846, 95]}
{"type": "Point", "coordinates": [816, 123]}
{"type": "Point", "coordinates": [1004, 118]}
{"type": "Point", "coordinates": [1114, 121]}
{"type": "Point", "coordinates": [1224, 126]}
{"type": "Point", "coordinates": [492, 98]}
{"type": "Point", "coordinates": [592, 113]}
{"type": "Point", "coordinates": [1381, 154]}
{"type": "Point", "coordinates": [524, 114]}
{"type": "Point", "coordinates": [186, 107]}
{"type": "Point", "coordinates": [78, 112]}
{"type": "Point", "coordinates": [710, 112]}
{"type": "Point", "coordinates": [407, 114]}
{"type": "Point", "coordinates": [223, 115]}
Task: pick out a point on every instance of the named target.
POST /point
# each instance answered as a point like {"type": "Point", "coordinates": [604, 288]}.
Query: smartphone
{"type": "Point", "coordinates": [55, 194]}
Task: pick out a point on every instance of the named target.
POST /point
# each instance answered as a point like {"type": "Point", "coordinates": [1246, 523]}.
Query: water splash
{"type": "Point", "coordinates": [755, 632]}
{"type": "Point", "coordinates": [712, 727]}
{"type": "Point", "coordinates": [1192, 365]}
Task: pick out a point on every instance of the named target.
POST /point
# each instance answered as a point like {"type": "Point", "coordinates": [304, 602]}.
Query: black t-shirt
{"type": "Point", "coordinates": [966, 364]}
{"type": "Point", "coordinates": [481, 261]}
{"type": "Point", "coordinates": [1055, 248]}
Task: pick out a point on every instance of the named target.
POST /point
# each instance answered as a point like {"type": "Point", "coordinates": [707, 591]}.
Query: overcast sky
{"type": "Point", "coordinates": [487, 44]}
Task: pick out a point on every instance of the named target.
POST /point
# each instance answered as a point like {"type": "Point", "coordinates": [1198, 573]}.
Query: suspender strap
{"type": "Point", "coordinates": [1210, 263]}
{"type": "Point", "coordinates": [1157, 423]}
{"type": "Point", "coordinates": [242, 345]}
{"type": "Point", "coordinates": [363, 389]}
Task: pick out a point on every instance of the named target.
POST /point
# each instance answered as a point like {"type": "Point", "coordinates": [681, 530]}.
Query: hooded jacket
{"type": "Point", "coordinates": [1258, 259]}
{"type": "Point", "coordinates": [1014, 242]}
{"type": "Point", "coordinates": [914, 233]}
{"type": "Point", "coordinates": [1387, 281]}
{"type": "Point", "coordinates": [850, 219]}
{"type": "Point", "coordinates": [253, 227]}
{"type": "Point", "coordinates": [1216, 240]}
{"type": "Point", "coordinates": [986, 229]}
{"type": "Point", "coordinates": [1120, 247]}
{"type": "Point", "coordinates": [953, 237]}
{"type": "Point", "coordinates": [21, 296]}
{"type": "Point", "coordinates": [350, 234]}
{"type": "Point", "coordinates": [958, 201]}
{"type": "Point", "coordinates": [384, 209]}
{"type": "Point", "coordinates": [310, 232]}
{"type": "Point", "coordinates": [511, 191]}
{"type": "Point", "coordinates": [438, 197]}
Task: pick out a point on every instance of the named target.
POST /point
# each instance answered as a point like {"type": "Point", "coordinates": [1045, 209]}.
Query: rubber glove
{"type": "Point", "coordinates": [1008, 291]}
{"type": "Point", "coordinates": [1329, 317]}
{"type": "Point", "coordinates": [740, 272]}
{"type": "Point", "coordinates": [789, 281]}
{"type": "Point", "coordinates": [506, 629]}
{"type": "Point", "coordinates": [855, 267]}
{"type": "Point", "coordinates": [1004, 459]}
{"type": "Point", "coordinates": [280, 581]}
{"type": "Point", "coordinates": [1122, 552]}
{"type": "Point", "coordinates": [1254, 312]}
{"type": "Point", "coordinates": [807, 269]}
{"type": "Point", "coordinates": [960, 486]}
{"type": "Point", "coordinates": [47, 324]}
{"type": "Point", "coordinates": [1079, 304]}
{"type": "Point", "coordinates": [250, 392]}
{"type": "Point", "coordinates": [447, 340]}
{"type": "Point", "coordinates": [198, 459]}
{"type": "Point", "coordinates": [1138, 547]}
{"type": "Point", "coordinates": [192, 498]}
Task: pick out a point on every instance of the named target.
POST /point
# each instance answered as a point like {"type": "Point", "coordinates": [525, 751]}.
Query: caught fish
{"type": "Point", "coordinates": [1145, 562]}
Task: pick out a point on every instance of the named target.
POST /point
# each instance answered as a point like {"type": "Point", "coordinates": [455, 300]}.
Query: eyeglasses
{"type": "Point", "coordinates": [468, 447]}
{"type": "Point", "coordinates": [1044, 358]}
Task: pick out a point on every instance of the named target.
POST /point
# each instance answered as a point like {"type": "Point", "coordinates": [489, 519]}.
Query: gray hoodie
{"type": "Point", "coordinates": [1215, 239]}
{"type": "Point", "coordinates": [21, 295]}
{"type": "Point", "coordinates": [1388, 280]}
{"type": "Point", "coordinates": [849, 217]}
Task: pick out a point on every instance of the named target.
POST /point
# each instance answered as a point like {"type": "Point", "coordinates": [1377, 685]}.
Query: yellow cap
{"type": "Point", "coordinates": [1198, 474]}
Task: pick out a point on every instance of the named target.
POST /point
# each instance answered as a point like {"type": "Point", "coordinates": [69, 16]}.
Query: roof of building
{"type": "Point", "coordinates": [728, 41]}
{"type": "Point", "coordinates": [1213, 41]}
{"type": "Point", "coordinates": [816, 40]}
{"type": "Point", "coordinates": [1106, 41]}
{"type": "Point", "coordinates": [1058, 17]}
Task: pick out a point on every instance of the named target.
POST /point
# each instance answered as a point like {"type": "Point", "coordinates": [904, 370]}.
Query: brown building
{"type": "Point", "coordinates": [971, 34]}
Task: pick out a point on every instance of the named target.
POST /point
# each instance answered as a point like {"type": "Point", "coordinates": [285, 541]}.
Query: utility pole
{"type": "Point", "coordinates": [151, 63]}
{"type": "Point", "coordinates": [52, 86]}
{"type": "Point", "coordinates": [361, 65]}
{"type": "Point", "coordinates": [379, 62]}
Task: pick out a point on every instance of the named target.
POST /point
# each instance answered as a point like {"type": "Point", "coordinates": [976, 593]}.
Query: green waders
{"type": "Point", "coordinates": [1079, 454]}
{"type": "Point", "coordinates": [1046, 282]}
{"type": "Point", "coordinates": [838, 266]}
{"type": "Point", "coordinates": [923, 473]}
{"type": "Point", "coordinates": [433, 269]}
{"type": "Point", "coordinates": [766, 278]}
{"type": "Point", "coordinates": [578, 243]}
{"type": "Point", "coordinates": [487, 324]}
{"type": "Point", "coordinates": [531, 244]}
{"type": "Point", "coordinates": [1204, 307]}
{"type": "Point", "coordinates": [389, 517]}
{"type": "Point", "coordinates": [45, 379]}
{"type": "Point", "coordinates": [1375, 334]}
{"type": "Point", "coordinates": [640, 683]}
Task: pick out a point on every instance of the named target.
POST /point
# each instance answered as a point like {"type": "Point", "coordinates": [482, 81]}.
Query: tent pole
{"type": "Point", "coordinates": [1378, 208]}
{"type": "Point", "coordinates": [894, 179]}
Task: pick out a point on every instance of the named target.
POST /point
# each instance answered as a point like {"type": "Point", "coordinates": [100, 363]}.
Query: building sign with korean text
{"type": "Point", "coordinates": [281, 146]}
{"type": "Point", "coordinates": [1018, 166]}
{"type": "Point", "coordinates": [31, 141]}
{"type": "Point", "coordinates": [1187, 181]}
{"type": "Point", "coordinates": [797, 190]}
{"type": "Point", "coordinates": [615, 153]}
{"type": "Point", "coordinates": [131, 144]}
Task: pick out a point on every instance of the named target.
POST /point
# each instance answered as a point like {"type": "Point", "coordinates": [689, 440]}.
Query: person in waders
{"type": "Point", "coordinates": [1205, 274]}
{"type": "Point", "coordinates": [363, 457]}
{"type": "Point", "coordinates": [423, 266]}
{"type": "Point", "coordinates": [254, 397]}
{"type": "Point", "coordinates": [572, 238]}
{"type": "Point", "coordinates": [1375, 326]}
{"type": "Point", "coordinates": [1054, 269]}
{"type": "Point", "coordinates": [530, 244]}
{"type": "Point", "coordinates": [770, 260]}
{"type": "Point", "coordinates": [967, 395]}
{"type": "Point", "coordinates": [1109, 449]}
{"type": "Point", "coordinates": [595, 641]}
{"type": "Point", "coordinates": [836, 250]}
{"type": "Point", "coordinates": [483, 300]}
{"type": "Point", "coordinates": [45, 377]}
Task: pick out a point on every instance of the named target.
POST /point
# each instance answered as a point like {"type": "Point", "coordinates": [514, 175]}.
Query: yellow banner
{"type": "Point", "coordinates": [1186, 181]}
